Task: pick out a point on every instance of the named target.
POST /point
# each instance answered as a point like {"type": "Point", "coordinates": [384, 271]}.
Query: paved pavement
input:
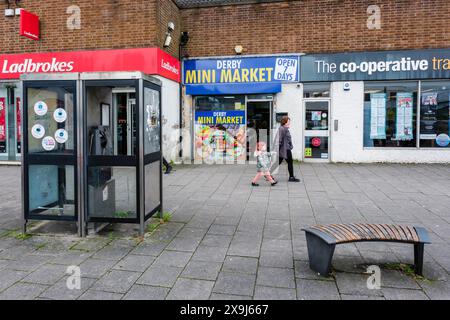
{"type": "Point", "coordinates": [228, 240]}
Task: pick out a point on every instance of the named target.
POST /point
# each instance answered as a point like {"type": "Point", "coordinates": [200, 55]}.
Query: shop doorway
{"type": "Point", "coordinates": [259, 125]}
{"type": "Point", "coordinates": [316, 119]}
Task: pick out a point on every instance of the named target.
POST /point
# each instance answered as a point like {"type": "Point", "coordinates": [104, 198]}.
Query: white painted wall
{"type": "Point", "coordinates": [170, 95]}
{"type": "Point", "coordinates": [290, 100]}
{"type": "Point", "coordinates": [347, 142]}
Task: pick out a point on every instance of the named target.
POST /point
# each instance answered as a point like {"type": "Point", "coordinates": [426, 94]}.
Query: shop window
{"type": "Point", "coordinates": [435, 114]}
{"type": "Point", "coordinates": [390, 114]}
{"type": "Point", "coordinates": [219, 125]}
{"type": "Point", "coordinates": [316, 90]}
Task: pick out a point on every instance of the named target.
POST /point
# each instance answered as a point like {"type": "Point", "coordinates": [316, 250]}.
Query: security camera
{"type": "Point", "coordinates": [170, 26]}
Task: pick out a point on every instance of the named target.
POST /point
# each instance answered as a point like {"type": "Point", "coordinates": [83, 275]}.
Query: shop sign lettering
{"type": "Point", "coordinates": [219, 75]}
{"type": "Point", "coordinates": [383, 65]}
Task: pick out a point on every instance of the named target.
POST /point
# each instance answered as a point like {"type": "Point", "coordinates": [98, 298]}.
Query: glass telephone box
{"type": "Point", "coordinates": [92, 148]}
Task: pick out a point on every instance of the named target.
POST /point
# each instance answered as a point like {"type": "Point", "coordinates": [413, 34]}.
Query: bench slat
{"type": "Point", "coordinates": [354, 234]}
{"type": "Point", "coordinates": [414, 234]}
{"type": "Point", "coordinates": [407, 232]}
{"type": "Point", "coordinates": [389, 231]}
{"type": "Point", "coordinates": [394, 231]}
{"type": "Point", "coordinates": [339, 236]}
{"type": "Point", "coordinates": [348, 236]}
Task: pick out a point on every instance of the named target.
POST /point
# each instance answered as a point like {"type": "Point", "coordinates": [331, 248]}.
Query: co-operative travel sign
{"type": "Point", "coordinates": [240, 75]}
{"type": "Point", "coordinates": [382, 65]}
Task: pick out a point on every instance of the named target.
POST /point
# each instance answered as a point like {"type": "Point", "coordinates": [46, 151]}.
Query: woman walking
{"type": "Point", "coordinates": [285, 151]}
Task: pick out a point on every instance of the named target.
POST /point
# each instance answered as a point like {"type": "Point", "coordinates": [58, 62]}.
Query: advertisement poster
{"type": "Point", "coordinates": [404, 119]}
{"type": "Point", "coordinates": [220, 135]}
{"type": "Point", "coordinates": [378, 116]}
{"type": "Point", "coordinates": [428, 115]}
{"type": "Point", "coordinates": [2, 119]}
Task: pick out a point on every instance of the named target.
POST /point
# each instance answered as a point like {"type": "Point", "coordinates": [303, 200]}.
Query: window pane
{"type": "Point", "coordinates": [316, 115]}
{"type": "Point", "coordinates": [390, 114]}
{"type": "Point", "coordinates": [50, 120]}
{"type": "Point", "coordinates": [112, 192]}
{"type": "Point", "coordinates": [316, 90]}
{"type": "Point", "coordinates": [151, 121]}
{"type": "Point", "coordinates": [316, 147]}
{"type": "Point", "coordinates": [219, 103]}
{"type": "Point", "coordinates": [152, 191]}
{"type": "Point", "coordinates": [51, 190]}
{"type": "Point", "coordinates": [434, 114]}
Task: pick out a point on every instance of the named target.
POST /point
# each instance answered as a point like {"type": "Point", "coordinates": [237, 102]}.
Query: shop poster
{"type": "Point", "coordinates": [428, 115]}
{"type": "Point", "coordinates": [220, 135]}
{"type": "Point", "coordinates": [2, 119]}
{"type": "Point", "coordinates": [404, 119]}
{"type": "Point", "coordinates": [378, 116]}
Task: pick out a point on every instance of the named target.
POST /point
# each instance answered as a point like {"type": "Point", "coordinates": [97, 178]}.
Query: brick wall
{"type": "Point", "coordinates": [290, 26]}
{"type": "Point", "coordinates": [105, 24]}
{"type": "Point", "coordinates": [168, 11]}
{"type": "Point", "coordinates": [316, 26]}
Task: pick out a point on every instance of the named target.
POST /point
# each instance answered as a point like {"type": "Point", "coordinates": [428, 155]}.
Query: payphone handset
{"type": "Point", "coordinates": [99, 141]}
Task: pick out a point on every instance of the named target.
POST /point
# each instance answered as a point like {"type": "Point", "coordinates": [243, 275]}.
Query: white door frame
{"type": "Point", "coordinates": [319, 133]}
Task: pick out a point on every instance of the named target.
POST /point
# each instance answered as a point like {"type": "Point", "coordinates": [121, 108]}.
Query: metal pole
{"type": "Point", "coordinates": [80, 114]}
{"type": "Point", "coordinates": [22, 161]}
{"type": "Point", "coordinates": [140, 169]}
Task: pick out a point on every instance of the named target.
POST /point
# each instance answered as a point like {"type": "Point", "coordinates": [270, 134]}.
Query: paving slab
{"type": "Point", "coordinates": [23, 291]}
{"type": "Point", "coordinates": [190, 289]}
{"type": "Point", "coordinates": [276, 277]}
{"type": "Point", "coordinates": [160, 275]}
{"type": "Point", "coordinates": [234, 283]}
{"type": "Point", "coordinates": [202, 270]}
{"type": "Point", "coordinates": [143, 292]}
{"type": "Point", "coordinates": [317, 290]}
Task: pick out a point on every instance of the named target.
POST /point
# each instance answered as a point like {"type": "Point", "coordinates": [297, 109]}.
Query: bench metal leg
{"type": "Point", "coordinates": [418, 258]}
{"type": "Point", "coordinates": [320, 254]}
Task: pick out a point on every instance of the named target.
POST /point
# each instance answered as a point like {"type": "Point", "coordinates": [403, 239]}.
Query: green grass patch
{"type": "Point", "coordinates": [406, 269]}
{"type": "Point", "coordinates": [18, 235]}
{"type": "Point", "coordinates": [166, 216]}
{"type": "Point", "coordinates": [122, 214]}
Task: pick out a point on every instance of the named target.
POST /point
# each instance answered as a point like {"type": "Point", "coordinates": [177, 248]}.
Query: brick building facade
{"type": "Point", "coordinates": [316, 26]}
{"type": "Point", "coordinates": [104, 24]}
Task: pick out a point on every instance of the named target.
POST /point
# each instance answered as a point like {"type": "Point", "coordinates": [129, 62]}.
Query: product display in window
{"type": "Point", "coordinates": [390, 111]}
{"type": "Point", "coordinates": [435, 114]}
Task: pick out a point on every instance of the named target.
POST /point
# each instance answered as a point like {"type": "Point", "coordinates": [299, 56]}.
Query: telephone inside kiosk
{"type": "Point", "coordinates": [112, 132]}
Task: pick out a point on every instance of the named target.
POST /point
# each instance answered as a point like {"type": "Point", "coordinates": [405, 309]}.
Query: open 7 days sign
{"type": "Point", "coordinates": [148, 60]}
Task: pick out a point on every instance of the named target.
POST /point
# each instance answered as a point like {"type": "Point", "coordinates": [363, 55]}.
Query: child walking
{"type": "Point", "coordinates": [263, 163]}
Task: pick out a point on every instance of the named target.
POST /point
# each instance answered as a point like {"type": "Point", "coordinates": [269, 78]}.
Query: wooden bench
{"type": "Point", "coordinates": [322, 239]}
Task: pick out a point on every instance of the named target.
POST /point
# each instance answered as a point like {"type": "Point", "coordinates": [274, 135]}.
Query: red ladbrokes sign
{"type": "Point", "coordinates": [29, 25]}
{"type": "Point", "coordinates": [148, 60]}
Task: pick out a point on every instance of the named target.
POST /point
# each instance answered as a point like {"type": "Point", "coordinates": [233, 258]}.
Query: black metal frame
{"type": "Point", "coordinates": [60, 159]}
{"type": "Point", "coordinates": [155, 156]}
{"type": "Point", "coordinates": [321, 249]}
{"type": "Point", "coordinates": [114, 160]}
